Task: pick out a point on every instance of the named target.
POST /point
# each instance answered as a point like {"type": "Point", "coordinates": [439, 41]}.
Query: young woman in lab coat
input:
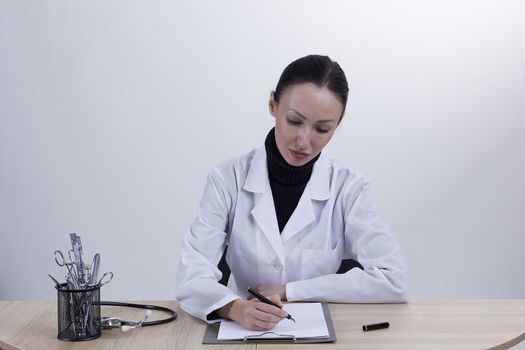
{"type": "Point", "coordinates": [289, 216]}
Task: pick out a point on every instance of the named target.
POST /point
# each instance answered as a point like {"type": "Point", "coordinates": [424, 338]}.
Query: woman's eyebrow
{"type": "Point", "coordinates": [297, 112]}
{"type": "Point", "coordinates": [302, 116]}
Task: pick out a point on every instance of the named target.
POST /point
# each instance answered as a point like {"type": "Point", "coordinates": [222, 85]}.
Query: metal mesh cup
{"type": "Point", "coordinates": [78, 313]}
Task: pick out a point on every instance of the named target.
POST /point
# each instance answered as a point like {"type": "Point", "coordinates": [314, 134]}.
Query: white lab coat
{"type": "Point", "coordinates": [334, 219]}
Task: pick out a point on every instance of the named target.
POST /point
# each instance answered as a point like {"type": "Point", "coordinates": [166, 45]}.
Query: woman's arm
{"type": "Point", "coordinates": [369, 241]}
{"type": "Point", "coordinates": [198, 289]}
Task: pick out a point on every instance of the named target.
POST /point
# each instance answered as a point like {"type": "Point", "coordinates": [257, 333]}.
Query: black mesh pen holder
{"type": "Point", "coordinates": [78, 313]}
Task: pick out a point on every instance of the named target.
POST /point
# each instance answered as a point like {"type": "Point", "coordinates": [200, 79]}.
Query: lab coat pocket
{"type": "Point", "coordinates": [319, 262]}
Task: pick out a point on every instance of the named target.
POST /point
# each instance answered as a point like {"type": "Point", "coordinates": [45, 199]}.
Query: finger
{"type": "Point", "coordinates": [266, 317]}
{"type": "Point", "coordinates": [263, 311]}
{"type": "Point", "coordinates": [270, 309]}
{"type": "Point", "coordinates": [263, 326]}
{"type": "Point", "coordinates": [255, 325]}
{"type": "Point", "coordinates": [276, 299]}
{"type": "Point", "coordinates": [260, 320]}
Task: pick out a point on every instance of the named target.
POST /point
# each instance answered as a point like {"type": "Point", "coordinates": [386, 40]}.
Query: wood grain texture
{"type": "Point", "coordinates": [439, 324]}
{"type": "Point", "coordinates": [33, 325]}
{"type": "Point", "coordinates": [445, 324]}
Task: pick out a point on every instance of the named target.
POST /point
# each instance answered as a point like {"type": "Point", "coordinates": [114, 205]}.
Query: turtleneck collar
{"type": "Point", "coordinates": [282, 172]}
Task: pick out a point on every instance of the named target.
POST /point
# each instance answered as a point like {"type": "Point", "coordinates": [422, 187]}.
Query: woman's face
{"type": "Point", "coordinates": [305, 120]}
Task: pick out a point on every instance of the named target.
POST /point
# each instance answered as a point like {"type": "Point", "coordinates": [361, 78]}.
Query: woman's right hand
{"type": "Point", "coordinates": [253, 314]}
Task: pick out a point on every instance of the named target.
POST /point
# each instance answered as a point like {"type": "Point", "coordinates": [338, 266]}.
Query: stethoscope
{"type": "Point", "coordinates": [125, 326]}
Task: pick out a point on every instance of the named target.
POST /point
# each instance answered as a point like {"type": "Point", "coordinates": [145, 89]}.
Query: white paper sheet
{"type": "Point", "coordinates": [309, 317]}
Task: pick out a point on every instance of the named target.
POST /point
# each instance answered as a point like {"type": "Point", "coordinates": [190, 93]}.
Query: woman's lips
{"type": "Point", "coordinates": [298, 155]}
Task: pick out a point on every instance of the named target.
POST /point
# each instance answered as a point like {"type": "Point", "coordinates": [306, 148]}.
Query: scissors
{"type": "Point", "coordinates": [105, 280]}
{"type": "Point", "coordinates": [70, 266]}
{"type": "Point", "coordinates": [61, 261]}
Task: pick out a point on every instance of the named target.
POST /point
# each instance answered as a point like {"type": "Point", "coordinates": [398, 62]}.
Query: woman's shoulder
{"type": "Point", "coordinates": [237, 162]}
{"type": "Point", "coordinates": [236, 167]}
{"type": "Point", "coordinates": [342, 175]}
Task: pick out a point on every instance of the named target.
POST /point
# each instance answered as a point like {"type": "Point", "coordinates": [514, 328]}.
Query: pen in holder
{"type": "Point", "coordinates": [78, 313]}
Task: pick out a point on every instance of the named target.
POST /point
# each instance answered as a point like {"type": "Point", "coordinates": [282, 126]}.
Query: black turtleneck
{"type": "Point", "coordinates": [287, 181]}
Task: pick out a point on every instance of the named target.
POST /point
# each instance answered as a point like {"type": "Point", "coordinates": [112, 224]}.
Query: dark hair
{"type": "Point", "coordinates": [318, 70]}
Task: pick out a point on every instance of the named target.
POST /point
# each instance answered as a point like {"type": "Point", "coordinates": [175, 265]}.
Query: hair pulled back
{"type": "Point", "coordinates": [318, 70]}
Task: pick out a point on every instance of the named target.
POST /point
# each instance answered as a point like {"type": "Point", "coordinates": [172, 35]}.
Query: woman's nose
{"type": "Point", "coordinates": [303, 138]}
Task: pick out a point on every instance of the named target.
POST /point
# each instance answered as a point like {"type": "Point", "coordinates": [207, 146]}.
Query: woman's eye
{"type": "Point", "coordinates": [293, 122]}
{"type": "Point", "coordinates": [322, 131]}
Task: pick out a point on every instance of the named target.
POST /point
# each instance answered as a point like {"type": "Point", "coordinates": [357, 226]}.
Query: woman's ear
{"type": "Point", "coordinates": [272, 105]}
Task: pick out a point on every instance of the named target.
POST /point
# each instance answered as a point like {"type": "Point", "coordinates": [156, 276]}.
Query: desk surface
{"type": "Point", "coordinates": [465, 324]}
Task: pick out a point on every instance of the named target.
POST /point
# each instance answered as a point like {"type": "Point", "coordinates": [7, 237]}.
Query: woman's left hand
{"type": "Point", "coordinates": [279, 289]}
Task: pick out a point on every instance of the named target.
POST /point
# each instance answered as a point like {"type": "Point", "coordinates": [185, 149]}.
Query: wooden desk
{"type": "Point", "coordinates": [447, 324]}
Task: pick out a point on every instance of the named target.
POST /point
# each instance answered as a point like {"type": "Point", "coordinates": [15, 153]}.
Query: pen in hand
{"type": "Point", "coordinates": [265, 300]}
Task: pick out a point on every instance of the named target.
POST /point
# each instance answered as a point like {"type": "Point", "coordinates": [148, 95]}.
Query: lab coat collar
{"type": "Point", "coordinates": [317, 187]}
{"type": "Point", "coordinates": [264, 209]}
{"type": "Point", "coordinates": [257, 177]}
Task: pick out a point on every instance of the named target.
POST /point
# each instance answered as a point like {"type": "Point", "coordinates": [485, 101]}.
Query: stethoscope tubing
{"type": "Point", "coordinates": [171, 312]}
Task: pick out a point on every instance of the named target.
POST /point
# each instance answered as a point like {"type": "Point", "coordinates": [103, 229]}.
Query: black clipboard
{"type": "Point", "coordinates": [210, 335]}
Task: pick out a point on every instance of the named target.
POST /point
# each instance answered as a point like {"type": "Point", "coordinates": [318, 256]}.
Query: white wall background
{"type": "Point", "coordinates": [112, 113]}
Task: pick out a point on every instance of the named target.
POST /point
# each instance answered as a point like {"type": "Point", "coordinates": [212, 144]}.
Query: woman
{"type": "Point", "coordinates": [289, 216]}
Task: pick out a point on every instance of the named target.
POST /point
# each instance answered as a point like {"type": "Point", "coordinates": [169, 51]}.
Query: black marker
{"type": "Point", "coordinates": [374, 326]}
{"type": "Point", "coordinates": [265, 300]}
